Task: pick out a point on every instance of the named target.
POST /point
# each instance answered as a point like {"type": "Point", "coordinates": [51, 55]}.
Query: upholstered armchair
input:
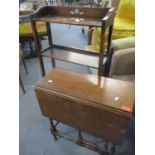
{"type": "Point", "coordinates": [124, 24]}
{"type": "Point", "coordinates": [123, 65]}
{"type": "Point", "coordinates": [121, 44]}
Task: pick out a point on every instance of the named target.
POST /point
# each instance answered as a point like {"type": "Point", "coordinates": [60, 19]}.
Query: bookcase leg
{"type": "Point", "coordinates": [53, 63]}
{"type": "Point", "coordinates": [41, 63]}
{"type": "Point", "coordinates": [53, 129]}
{"type": "Point", "coordinates": [49, 34]}
{"type": "Point", "coordinates": [109, 62]}
{"type": "Point", "coordinates": [109, 38]}
{"type": "Point", "coordinates": [101, 71]}
{"type": "Point", "coordinates": [22, 86]}
{"type": "Point", "coordinates": [25, 66]}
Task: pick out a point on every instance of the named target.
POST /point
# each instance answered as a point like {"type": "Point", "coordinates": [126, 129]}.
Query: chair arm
{"type": "Point", "coordinates": [123, 62]}
{"type": "Point", "coordinates": [123, 43]}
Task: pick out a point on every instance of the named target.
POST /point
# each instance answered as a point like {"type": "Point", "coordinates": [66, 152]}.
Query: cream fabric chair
{"type": "Point", "coordinates": [123, 65]}
{"type": "Point", "coordinates": [117, 45]}
{"type": "Point", "coordinates": [123, 43]}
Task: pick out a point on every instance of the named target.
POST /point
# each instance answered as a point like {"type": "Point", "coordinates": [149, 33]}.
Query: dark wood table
{"type": "Point", "coordinates": [97, 105]}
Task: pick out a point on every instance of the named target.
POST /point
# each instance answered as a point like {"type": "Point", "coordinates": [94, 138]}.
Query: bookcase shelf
{"type": "Point", "coordinates": [72, 55]}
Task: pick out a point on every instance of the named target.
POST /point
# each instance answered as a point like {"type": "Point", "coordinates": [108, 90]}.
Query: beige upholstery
{"type": "Point", "coordinates": [123, 64]}
{"type": "Point", "coordinates": [123, 43]}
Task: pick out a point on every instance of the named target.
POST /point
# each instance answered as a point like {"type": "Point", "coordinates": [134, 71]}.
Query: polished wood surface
{"type": "Point", "coordinates": [87, 102]}
{"type": "Point", "coordinates": [103, 90]}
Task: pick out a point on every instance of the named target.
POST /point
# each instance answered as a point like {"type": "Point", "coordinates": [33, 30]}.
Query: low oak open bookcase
{"type": "Point", "coordinates": [78, 16]}
{"type": "Point", "coordinates": [97, 105]}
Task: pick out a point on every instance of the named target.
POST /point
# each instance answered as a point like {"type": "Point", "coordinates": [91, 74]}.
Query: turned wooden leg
{"type": "Point", "coordinates": [53, 129]}
{"type": "Point", "coordinates": [113, 150]}
{"type": "Point", "coordinates": [106, 147]}
{"type": "Point", "coordinates": [80, 137]}
{"type": "Point", "coordinates": [21, 83]}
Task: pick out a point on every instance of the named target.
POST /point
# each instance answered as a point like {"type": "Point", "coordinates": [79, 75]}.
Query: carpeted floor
{"type": "Point", "coordinates": [35, 137]}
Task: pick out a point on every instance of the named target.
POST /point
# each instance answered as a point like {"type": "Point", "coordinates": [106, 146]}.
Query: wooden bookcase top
{"type": "Point", "coordinates": [84, 16]}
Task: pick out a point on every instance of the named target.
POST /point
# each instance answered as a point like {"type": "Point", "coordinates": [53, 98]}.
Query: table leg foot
{"type": "Point", "coordinates": [53, 129]}
{"type": "Point", "coordinates": [113, 150]}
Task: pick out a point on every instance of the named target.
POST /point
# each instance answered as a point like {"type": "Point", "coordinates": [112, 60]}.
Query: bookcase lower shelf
{"type": "Point", "coordinates": [76, 56]}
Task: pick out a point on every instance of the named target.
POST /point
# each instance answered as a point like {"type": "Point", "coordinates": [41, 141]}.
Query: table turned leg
{"type": "Point", "coordinates": [113, 150]}
{"type": "Point", "coordinates": [53, 129]}
{"type": "Point", "coordinates": [106, 147]}
{"type": "Point", "coordinates": [80, 137]}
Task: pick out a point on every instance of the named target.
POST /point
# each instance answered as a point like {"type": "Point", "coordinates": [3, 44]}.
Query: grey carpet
{"type": "Point", "coordinates": [34, 136]}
